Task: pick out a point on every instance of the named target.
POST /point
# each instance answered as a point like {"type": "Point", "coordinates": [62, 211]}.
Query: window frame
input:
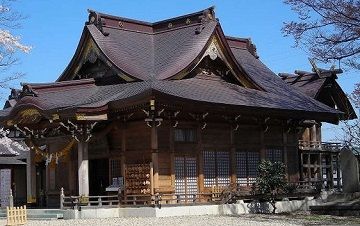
{"type": "Point", "coordinates": [186, 135]}
{"type": "Point", "coordinates": [218, 179]}
{"type": "Point", "coordinates": [247, 167]}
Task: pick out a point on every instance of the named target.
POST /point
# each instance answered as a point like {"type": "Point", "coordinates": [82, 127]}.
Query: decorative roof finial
{"type": "Point", "coordinates": [95, 18]}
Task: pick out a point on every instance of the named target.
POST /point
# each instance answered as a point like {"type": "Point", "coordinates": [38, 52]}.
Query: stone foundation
{"type": "Point", "coordinates": [170, 211]}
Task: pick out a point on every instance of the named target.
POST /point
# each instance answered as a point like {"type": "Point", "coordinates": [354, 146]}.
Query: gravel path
{"type": "Point", "coordinates": [193, 220]}
{"type": "Point", "coordinates": [304, 219]}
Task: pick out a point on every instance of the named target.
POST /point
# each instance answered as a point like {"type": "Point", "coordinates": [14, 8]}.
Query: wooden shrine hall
{"type": "Point", "coordinates": [173, 107]}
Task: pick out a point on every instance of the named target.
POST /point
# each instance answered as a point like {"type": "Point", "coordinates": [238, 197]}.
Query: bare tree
{"type": "Point", "coordinates": [328, 29]}
{"type": "Point", "coordinates": [10, 44]}
{"type": "Point", "coordinates": [351, 129]}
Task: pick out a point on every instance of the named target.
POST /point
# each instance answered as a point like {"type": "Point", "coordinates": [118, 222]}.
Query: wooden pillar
{"type": "Point", "coordinates": [338, 185]}
{"type": "Point", "coordinates": [308, 166]}
{"type": "Point", "coordinates": [83, 168]}
{"type": "Point", "coordinates": [302, 178]}
{"type": "Point", "coordinates": [70, 170]}
{"type": "Point", "coordinates": [320, 167]}
{"type": "Point", "coordinates": [285, 154]}
{"type": "Point", "coordinates": [232, 157]}
{"type": "Point", "coordinates": [331, 171]}
{"type": "Point", "coordinates": [155, 158]}
{"type": "Point", "coordinates": [313, 134]}
{"type": "Point", "coordinates": [200, 158]}
{"type": "Point", "coordinates": [172, 156]}
{"type": "Point", "coordinates": [123, 150]}
{"type": "Point", "coordinates": [30, 177]}
{"type": "Point", "coordinates": [262, 145]}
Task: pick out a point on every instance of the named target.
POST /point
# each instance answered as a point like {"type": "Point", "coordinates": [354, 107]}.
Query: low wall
{"type": "Point", "coordinates": [170, 211]}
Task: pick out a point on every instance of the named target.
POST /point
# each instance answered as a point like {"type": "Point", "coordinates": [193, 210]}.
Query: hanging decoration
{"type": "Point", "coordinates": [51, 159]}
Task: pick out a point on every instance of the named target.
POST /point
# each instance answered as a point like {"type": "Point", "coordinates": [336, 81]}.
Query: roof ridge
{"type": "Point", "coordinates": [60, 84]}
{"type": "Point", "coordinates": [211, 9]}
{"type": "Point", "coordinates": [101, 20]}
{"type": "Point", "coordinates": [153, 33]}
{"type": "Point", "coordinates": [201, 12]}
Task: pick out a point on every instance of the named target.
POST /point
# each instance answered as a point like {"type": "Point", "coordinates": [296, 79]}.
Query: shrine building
{"type": "Point", "coordinates": [174, 107]}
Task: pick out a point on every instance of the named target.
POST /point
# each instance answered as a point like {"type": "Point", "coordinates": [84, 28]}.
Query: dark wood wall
{"type": "Point", "coordinates": [131, 143]}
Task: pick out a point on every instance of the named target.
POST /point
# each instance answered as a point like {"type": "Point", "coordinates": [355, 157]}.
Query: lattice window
{"type": "Point", "coordinates": [191, 176]}
{"type": "Point", "coordinates": [209, 168]}
{"type": "Point", "coordinates": [247, 167]}
{"type": "Point", "coordinates": [253, 159]}
{"type": "Point", "coordinates": [223, 168]}
{"type": "Point", "coordinates": [241, 168]}
{"type": "Point", "coordinates": [216, 168]}
{"type": "Point", "coordinates": [179, 175]}
{"type": "Point", "coordinates": [185, 176]}
{"type": "Point", "coordinates": [274, 155]}
{"type": "Point", "coordinates": [115, 168]}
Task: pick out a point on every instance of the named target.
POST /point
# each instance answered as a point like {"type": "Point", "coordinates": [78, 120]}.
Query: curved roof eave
{"type": "Point", "coordinates": [296, 114]}
{"type": "Point", "coordinates": [85, 38]}
{"type": "Point", "coordinates": [76, 56]}
{"type": "Point", "coordinates": [107, 57]}
{"type": "Point", "coordinates": [233, 59]}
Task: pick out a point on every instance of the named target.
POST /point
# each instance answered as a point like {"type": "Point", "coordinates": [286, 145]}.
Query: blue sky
{"type": "Point", "coordinates": [53, 29]}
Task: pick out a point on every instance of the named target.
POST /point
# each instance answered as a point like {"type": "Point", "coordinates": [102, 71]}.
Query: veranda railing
{"type": "Point", "coordinates": [216, 196]}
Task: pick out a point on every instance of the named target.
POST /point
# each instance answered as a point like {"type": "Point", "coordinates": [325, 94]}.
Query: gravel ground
{"type": "Point", "coordinates": [193, 220]}
{"type": "Point", "coordinates": [244, 220]}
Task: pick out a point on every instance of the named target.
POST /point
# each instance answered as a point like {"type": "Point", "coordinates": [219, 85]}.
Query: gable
{"type": "Point", "coordinates": [90, 62]}
{"type": "Point", "coordinates": [333, 96]}
{"type": "Point", "coordinates": [218, 61]}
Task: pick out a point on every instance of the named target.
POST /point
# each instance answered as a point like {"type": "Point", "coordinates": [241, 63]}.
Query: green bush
{"type": "Point", "coordinates": [270, 181]}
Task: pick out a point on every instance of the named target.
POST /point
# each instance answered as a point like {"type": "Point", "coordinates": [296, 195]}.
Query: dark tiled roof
{"type": "Point", "coordinates": [205, 89]}
{"type": "Point", "coordinates": [307, 84]}
{"type": "Point", "coordinates": [161, 55]}
{"type": "Point", "coordinates": [273, 84]}
{"type": "Point", "coordinates": [323, 88]}
{"type": "Point", "coordinates": [153, 53]}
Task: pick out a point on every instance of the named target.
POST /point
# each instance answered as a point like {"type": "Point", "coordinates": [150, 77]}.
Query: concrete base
{"type": "Point", "coordinates": [340, 204]}
{"type": "Point", "coordinates": [171, 211]}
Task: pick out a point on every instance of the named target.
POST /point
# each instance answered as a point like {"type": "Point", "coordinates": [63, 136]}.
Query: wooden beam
{"type": "Point", "coordinates": [83, 117]}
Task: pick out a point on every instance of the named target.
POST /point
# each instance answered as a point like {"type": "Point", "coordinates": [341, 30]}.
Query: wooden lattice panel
{"type": "Point", "coordinates": [209, 168]}
{"type": "Point", "coordinates": [274, 155]}
{"type": "Point", "coordinates": [223, 168]}
{"type": "Point", "coordinates": [191, 176]}
{"type": "Point", "coordinates": [185, 175]}
{"type": "Point", "coordinates": [137, 178]}
{"type": "Point", "coordinates": [180, 175]}
{"type": "Point", "coordinates": [253, 159]}
{"type": "Point", "coordinates": [241, 168]}
{"type": "Point", "coordinates": [247, 167]}
{"type": "Point", "coordinates": [115, 168]}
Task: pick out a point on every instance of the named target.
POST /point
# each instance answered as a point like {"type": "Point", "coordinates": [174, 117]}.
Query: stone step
{"type": "Point", "coordinates": [39, 213]}
{"type": "Point", "coordinates": [45, 216]}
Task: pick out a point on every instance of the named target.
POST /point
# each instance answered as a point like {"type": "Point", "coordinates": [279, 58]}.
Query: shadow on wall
{"type": "Point", "coordinates": [264, 207]}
